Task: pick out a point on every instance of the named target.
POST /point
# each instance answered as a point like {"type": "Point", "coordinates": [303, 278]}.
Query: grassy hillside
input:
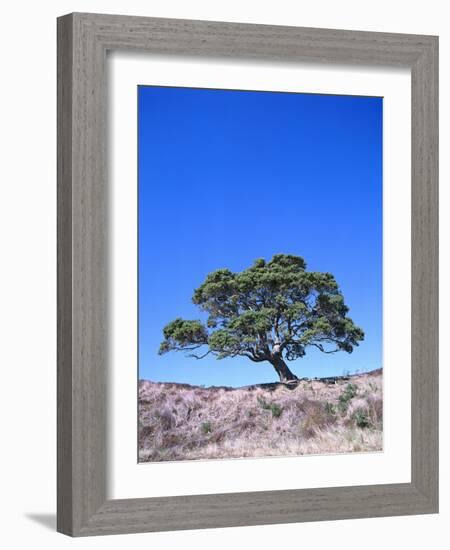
{"type": "Point", "coordinates": [179, 422]}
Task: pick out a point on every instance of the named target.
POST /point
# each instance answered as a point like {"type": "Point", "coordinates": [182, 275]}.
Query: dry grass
{"type": "Point", "coordinates": [182, 422]}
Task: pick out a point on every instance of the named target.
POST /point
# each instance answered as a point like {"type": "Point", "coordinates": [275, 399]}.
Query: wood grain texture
{"type": "Point", "coordinates": [83, 40]}
{"type": "Point", "coordinates": [425, 251]}
{"type": "Point", "coordinates": [64, 274]}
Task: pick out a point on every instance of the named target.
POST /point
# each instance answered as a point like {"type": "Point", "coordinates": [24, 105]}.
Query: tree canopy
{"type": "Point", "coordinates": [272, 311]}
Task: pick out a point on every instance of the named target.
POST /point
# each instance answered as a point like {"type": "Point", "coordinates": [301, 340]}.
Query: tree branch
{"type": "Point", "coordinates": [250, 356]}
{"type": "Point", "coordinates": [186, 348]}
{"type": "Point", "coordinates": [322, 349]}
{"type": "Point", "coordinates": [201, 356]}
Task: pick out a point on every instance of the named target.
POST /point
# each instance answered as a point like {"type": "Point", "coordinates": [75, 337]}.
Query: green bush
{"type": "Point", "coordinates": [361, 419]}
{"type": "Point", "coordinates": [206, 427]}
{"type": "Point", "coordinates": [346, 396]}
{"type": "Point", "coordinates": [275, 409]}
{"type": "Point", "coordinates": [350, 391]}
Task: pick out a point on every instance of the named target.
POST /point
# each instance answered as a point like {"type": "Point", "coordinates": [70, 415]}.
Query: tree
{"type": "Point", "coordinates": [272, 312]}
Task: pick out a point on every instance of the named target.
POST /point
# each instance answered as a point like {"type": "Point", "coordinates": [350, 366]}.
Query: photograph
{"type": "Point", "coordinates": [221, 260]}
{"type": "Point", "coordinates": [260, 274]}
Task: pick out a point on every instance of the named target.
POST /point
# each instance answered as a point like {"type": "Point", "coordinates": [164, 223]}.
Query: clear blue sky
{"type": "Point", "coordinates": [226, 177]}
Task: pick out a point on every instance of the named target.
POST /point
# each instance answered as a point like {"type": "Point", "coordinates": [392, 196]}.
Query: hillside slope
{"type": "Point", "coordinates": [338, 415]}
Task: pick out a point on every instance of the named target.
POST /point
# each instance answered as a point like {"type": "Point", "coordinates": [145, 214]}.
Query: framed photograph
{"type": "Point", "coordinates": [247, 274]}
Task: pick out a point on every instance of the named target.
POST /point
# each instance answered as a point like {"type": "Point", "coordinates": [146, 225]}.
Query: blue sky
{"type": "Point", "coordinates": [226, 177]}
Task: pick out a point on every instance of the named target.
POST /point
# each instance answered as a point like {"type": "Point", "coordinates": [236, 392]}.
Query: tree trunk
{"type": "Point", "coordinates": [283, 371]}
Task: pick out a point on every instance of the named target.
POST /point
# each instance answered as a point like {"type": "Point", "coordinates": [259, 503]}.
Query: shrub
{"type": "Point", "coordinates": [361, 419]}
{"type": "Point", "coordinates": [346, 396]}
{"type": "Point", "coordinates": [342, 405]}
{"type": "Point", "coordinates": [350, 390]}
{"type": "Point", "coordinates": [206, 427]}
{"type": "Point", "coordinates": [275, 409]}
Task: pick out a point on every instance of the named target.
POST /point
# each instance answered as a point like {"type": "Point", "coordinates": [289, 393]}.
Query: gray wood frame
{"type": "Point", "coordinates": [83, 40]}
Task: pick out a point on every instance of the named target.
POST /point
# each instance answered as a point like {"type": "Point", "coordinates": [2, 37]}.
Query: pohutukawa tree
{"type": "Point", "coordinates": [272, 312]}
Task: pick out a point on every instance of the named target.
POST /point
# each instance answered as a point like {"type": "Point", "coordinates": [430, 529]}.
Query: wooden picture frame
{"type": "Point", "coordinates": [83, 40]}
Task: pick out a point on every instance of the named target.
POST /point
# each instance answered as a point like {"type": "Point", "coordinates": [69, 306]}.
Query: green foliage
{"type": "Point", "coordinates": [182, 334]}
{"type": "Point", "coordinates": [330, 408]}
{"type": "Point", "coordinates": [361, 419]}
{"type": "Point", "coordinates": [271, 311]}
{"type": "Point", "coordinates": [349, 393]}
{"type": "Point", "coordinates": [206, 427]}
{"type": "Point", "coordinates": [274, 408]}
